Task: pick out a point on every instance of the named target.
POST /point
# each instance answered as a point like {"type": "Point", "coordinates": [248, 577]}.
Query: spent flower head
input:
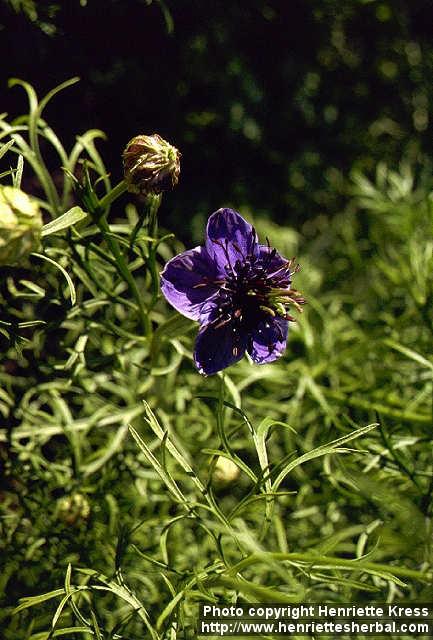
{"type": "Point", "coordinates": [151, 164]}
{"type": "Point", "coordinates": [239, 291]}
{"type": "Point", "coordinates": [20, 225]}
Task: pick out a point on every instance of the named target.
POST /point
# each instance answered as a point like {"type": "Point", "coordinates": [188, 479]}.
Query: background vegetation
{"type": "Point", "coordinates": [312, 119]}
{"type": "Point", "coordinates": [297, 92]}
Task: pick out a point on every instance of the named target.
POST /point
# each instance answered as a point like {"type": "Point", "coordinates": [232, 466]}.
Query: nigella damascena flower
{"type": "Point", "coordinates": [151, 164]}
{"type": "Point", "coordinates": [239, 291]}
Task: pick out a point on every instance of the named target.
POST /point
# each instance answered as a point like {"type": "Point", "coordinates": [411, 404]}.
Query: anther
{"type": "Point", "coordinates": [267, 310]}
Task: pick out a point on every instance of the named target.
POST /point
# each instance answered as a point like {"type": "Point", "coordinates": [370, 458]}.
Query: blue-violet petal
{"type": "Point", "coordinates": [187, 281]}
{"type": "Point", "coordinates": [268, 340]}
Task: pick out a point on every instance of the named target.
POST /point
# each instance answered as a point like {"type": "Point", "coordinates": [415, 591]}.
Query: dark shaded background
{"type": "Point", "coordinates": [272, 103]}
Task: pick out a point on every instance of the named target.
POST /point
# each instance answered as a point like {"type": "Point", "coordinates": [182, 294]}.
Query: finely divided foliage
{"type": "Point", "coordinates": [134, 487]}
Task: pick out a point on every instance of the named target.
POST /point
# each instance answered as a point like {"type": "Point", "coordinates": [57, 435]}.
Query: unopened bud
{"type": "Point", "coordinates": [20, 225]}
{"type": "Point", "coordinates": [151, 165]}
{"type": "Point", "coordinates": [73, 509]}
{"type": "Point", "coordinates": [226, 471]}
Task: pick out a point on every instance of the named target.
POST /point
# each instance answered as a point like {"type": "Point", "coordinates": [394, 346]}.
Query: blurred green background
{"type": "Point", "coordinates": [272, 103]}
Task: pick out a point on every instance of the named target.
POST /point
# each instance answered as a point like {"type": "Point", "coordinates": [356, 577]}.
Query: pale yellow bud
{"type": "Point", "coordinates": [20, 225]}
{"type": "Point", "coordinates": [225, 471]}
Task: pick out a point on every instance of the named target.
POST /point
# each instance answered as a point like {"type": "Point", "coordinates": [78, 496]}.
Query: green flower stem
{"type": "Point", "coordinates": [150, 209]}
{"type": "Point", "coordinates": [112, 195]}
{"type": "Point", "coordinates": [123, 270]}
{"type": "Point", "coordinates": [121, 263]}
{"type": "Point", "coordinates": [154, 204]}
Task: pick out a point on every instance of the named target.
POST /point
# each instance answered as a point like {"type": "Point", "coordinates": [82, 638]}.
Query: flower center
{"type": "Point", "coordinates": [254, 291]}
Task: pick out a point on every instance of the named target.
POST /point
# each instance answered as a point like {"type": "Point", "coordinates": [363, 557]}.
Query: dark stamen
{"type": "Point", "coordinates": [222, 323]}
{"type": "Point", "coordinates": [237, 248]}
{"type": "Point", "coordinates": [224, 247]}
{"type": "Point", "coordinates": [253, 241]}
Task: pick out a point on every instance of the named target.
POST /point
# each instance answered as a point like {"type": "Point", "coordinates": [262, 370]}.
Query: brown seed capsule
{"type": "Point", "coordinates": [151, 165]}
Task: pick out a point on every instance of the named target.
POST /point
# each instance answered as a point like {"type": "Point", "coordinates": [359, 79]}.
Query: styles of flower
{"type": "Point", "coordinates": [238, 290]}
{"type": "Point", "coordinates": [20, 225]}
{"type": "Point", "coordinates": [151, 165]}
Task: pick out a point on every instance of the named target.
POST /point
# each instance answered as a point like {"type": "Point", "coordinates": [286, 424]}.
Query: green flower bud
{"type": "Point", "coordinates": [151, 165]}
{"type": "Point", "coordinates": [225, 472]}
{"type": "Point", "coordinates": [20, 225]}
{"type": "Point", "coordinates": [73, 509]}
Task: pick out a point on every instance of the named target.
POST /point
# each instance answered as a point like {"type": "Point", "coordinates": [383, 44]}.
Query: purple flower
{"type": "Point", "coordinates": [238, 290]}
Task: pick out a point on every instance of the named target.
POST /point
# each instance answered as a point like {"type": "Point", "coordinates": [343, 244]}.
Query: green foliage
{"type": "Point", "coordinates": [113, 521]}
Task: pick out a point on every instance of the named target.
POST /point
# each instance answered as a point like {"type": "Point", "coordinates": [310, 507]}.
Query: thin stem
{"type": "Point", "coordinates": [121, 263]}
{"type": "Point", "coordinates": [123, 270]}
{"type": "Point", "coordinates": [154, 204]}
{"type": "Point", "coordinates": [112, 195]}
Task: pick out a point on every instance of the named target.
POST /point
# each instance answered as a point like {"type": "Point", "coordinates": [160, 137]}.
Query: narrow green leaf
{"type": "Point", "coordinates": [126, 595]}
{"type": "Point", "coordinates": [25, 603]}
{"type": "Point", "coordinates": [80, 145]}
{"type": "Point", "coordinates": [69, 218]}
{"type": "Point", "coordinates": [33, 287]}
{"type": "Point", "coordinates": [18, 176]}
{"type": "Point", "coordinates": [331, 447]}
{"type": "Point", "coordinates": [168, 609]}
{"type": "Point", "coordinates": [66, 631]}
{"type": "Point", "coordinates": [5, 147]}
{"type": "Point", "coordinates": [96, 626]}
{"type": "Point", "coordinates": [31, 94]}
{"type": "Point", "coordinates": [45, 100]}
{"type": "Point", "coordinates": [33, 119]}
{"type": "Point", "coordinates": [110, 450]}
{"type": "Point", "coordinates": [72, 292]}
{"type": "Point", "coordinates": [165, 477]}
{"type": "Point", "coordinates": [259, 439]}
{"type": "Point", "coordinates": [409, 353]}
